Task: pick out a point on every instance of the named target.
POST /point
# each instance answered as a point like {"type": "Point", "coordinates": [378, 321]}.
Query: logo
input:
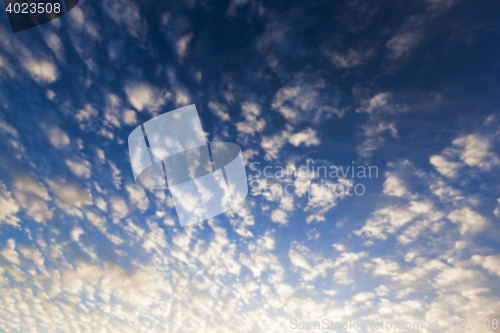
{"type": "Point", "coordinates": [205, 179]}
{"type": "Point", "coordinates": [26, 14]}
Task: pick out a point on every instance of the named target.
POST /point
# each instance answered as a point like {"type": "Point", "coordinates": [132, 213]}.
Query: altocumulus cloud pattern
{"type": "Point", "coordinates": [200, 188]}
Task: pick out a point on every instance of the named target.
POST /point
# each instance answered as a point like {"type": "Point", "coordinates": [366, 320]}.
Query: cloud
{"type": "Point", "coordinates": [279, 216]}
{"type": "Point", "coordinates": [321, 198]}
{"type": "Point", "coordinates": [307, 137]}
{"type": "Point", "coordinates": [8, 207]}
{"type": "Point", "coordinates": [128, 14]}
{"type": "Point", "coordinates": [349, 59]}
{"type": "Point", "coordinates": [306, 102]}
{"type": "Point", "coordinates": [373, 132]}
{"type": "Point", "coordinates": [42, 71]}
{"type": "Point", "coordinates": [389, 220]}
{"type": "Point", "coordinates": [54, 43]}
{"type": "Point", "coordinates": [393, 186]}
{"type": "Point", "coordinates": [144, 96]}
{"type": "Point", "coordinates": [182, 45]}
{"type": "Point", "coordinates": [76, 233]}
{"type": "Point", "coordinates": [57, 137]}
{"type": "Point", "coordinates": [470, 222]}
{"type": "Point", "coordinates": [9, 252]}
{"type": "Point", "coordinates": [33, 197]}
{"type": "Point", "coordinates": [219, 110]}
{"type": "Point", "coordinates": [445, 167]}
{"type": "Point", "coordinates": [119, 207]}
{"type": "Point", "coordinates": [137, 195]}
{"type": "Point", "coordinates": [402, 44]}
{"type": "Point", "coordinates": [472, 150]}
{"type": "Point", "coordinates": [309, 265]}
{"type": "Point", "coordinates": [254, 123]}
{"type": "Point", "coordinates": [69, 196]}
{"type": "Point", "coordinates": [379, 103]}
{"type": "Point", "coordinates": [490, 263]}
{"type": "Point", "coordinates": [80, 167]}
{"type": "Point", "coordinates": [476, 152]}
{"type": "Point", "coordinates": [129, 117]}
{"type": "Point", "coordinates": [272, 144]}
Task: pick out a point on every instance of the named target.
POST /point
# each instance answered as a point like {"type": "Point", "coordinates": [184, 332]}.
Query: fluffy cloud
{"type": "Point", "coordinates": [445, 167]}
{"type": "Point", "coordinates": [144, 96]}
{"type": "Point", "coordinates": [33, 197]}
{"type": "Point", "coordinates": [476, 152]}
{"type": "Point", "coordinates": [57, 137]}
{"type": "Point", "coordinates": [8, 206]}
{"type": "Point", "coordinates": [472, 150]}
{"type": "Point", "coordinates": [394, 186]}
{"type": "Point", "coordinates": [254, 123]}
{"type": "Point", "coordinates": [470, 222]}
{"type": "Point", "coordinates": [305, 102]}
{"type": "Point", "coordinates": [137, 195]}
{"type": "Point", "coordinates": [79, 167]}
{"type": "Point", "coordinates": [402, 44]}
{"type": "Point", "coordinates": [42, 71]}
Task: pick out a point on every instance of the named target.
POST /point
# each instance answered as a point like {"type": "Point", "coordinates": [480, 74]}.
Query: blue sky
{"type": "Point", "coordinates": [411, 87]}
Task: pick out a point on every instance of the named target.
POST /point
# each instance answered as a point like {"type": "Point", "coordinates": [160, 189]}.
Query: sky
{"type": "Point", "coordinates": [409, 88]}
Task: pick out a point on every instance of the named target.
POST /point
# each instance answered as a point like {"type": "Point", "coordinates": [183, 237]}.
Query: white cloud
{"type": "Point", "coordinates": [394, 186]}
{"type": "Point", "coordinates": [8, 207]}
{"type": "Point", "coordinates": [219, 110]}
{"type": "Point", "coordinates": [144, 96]}
{"type": "Point", "coordinates": [491, 263]}
{"type": "Point", "coordinates": [9, 252]}
{"type": "Point", "coordinates": [128, 14]}
{"type": "Point", "coordinates": [476, 152]}
{"type": "Point", "coordinates": [470, 222]}
{"type": "Point", "coordinates": [80, 168]}
{"type": "Point", "coordinates": [379, 103]}
{"type": "Point", "coordinates": [273, 144]}
{"type": "Point", "coordinates": [321, 199]}
{"type": "Point", "coordinates": [472, 150]}
{"type": "Point", "coordinates": [279, 216]}
{"type": "Point", "coordinates": [54, 43]}
{"type": "Point", "coordinates": [391, 219]}
{"type": "Point", "coordinates": [349, 59]}
{"type": "Point", "coordinates": [497, 210]}
{"type": "Point", "coordinates": [137, 195]}
{"type": "Point", "coordinates": [119, 207]}
{"type": "Point", "coordinates": [445, 167]}
{"type": "Point", "coordinates": [307, 263]}
{"type": "Point", "coordinates": [76, 233]}
{"type": "Point", "coordinates": [373, 132]}
{"type": "Point", "coordinates": [254, 123]}
{"type": "Point", "coordinates": [306, 102]}
{"type": "Point", "coordinates": [33, 197]}
{"type": "Point", "coordinates": [57, 137]}
{"type": "Point", "coordinates": [6, 128]}
{"type": "Point", "coordinates": [129, 117]}
{"type": "Point", "coordinates": [183, 44]}
{"type": "Point", "coordinates": [42, 71]}
{"type": "Point", "coordinates": [402, 44]}
{"type": "Point", "coordinates": [307, 137]}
